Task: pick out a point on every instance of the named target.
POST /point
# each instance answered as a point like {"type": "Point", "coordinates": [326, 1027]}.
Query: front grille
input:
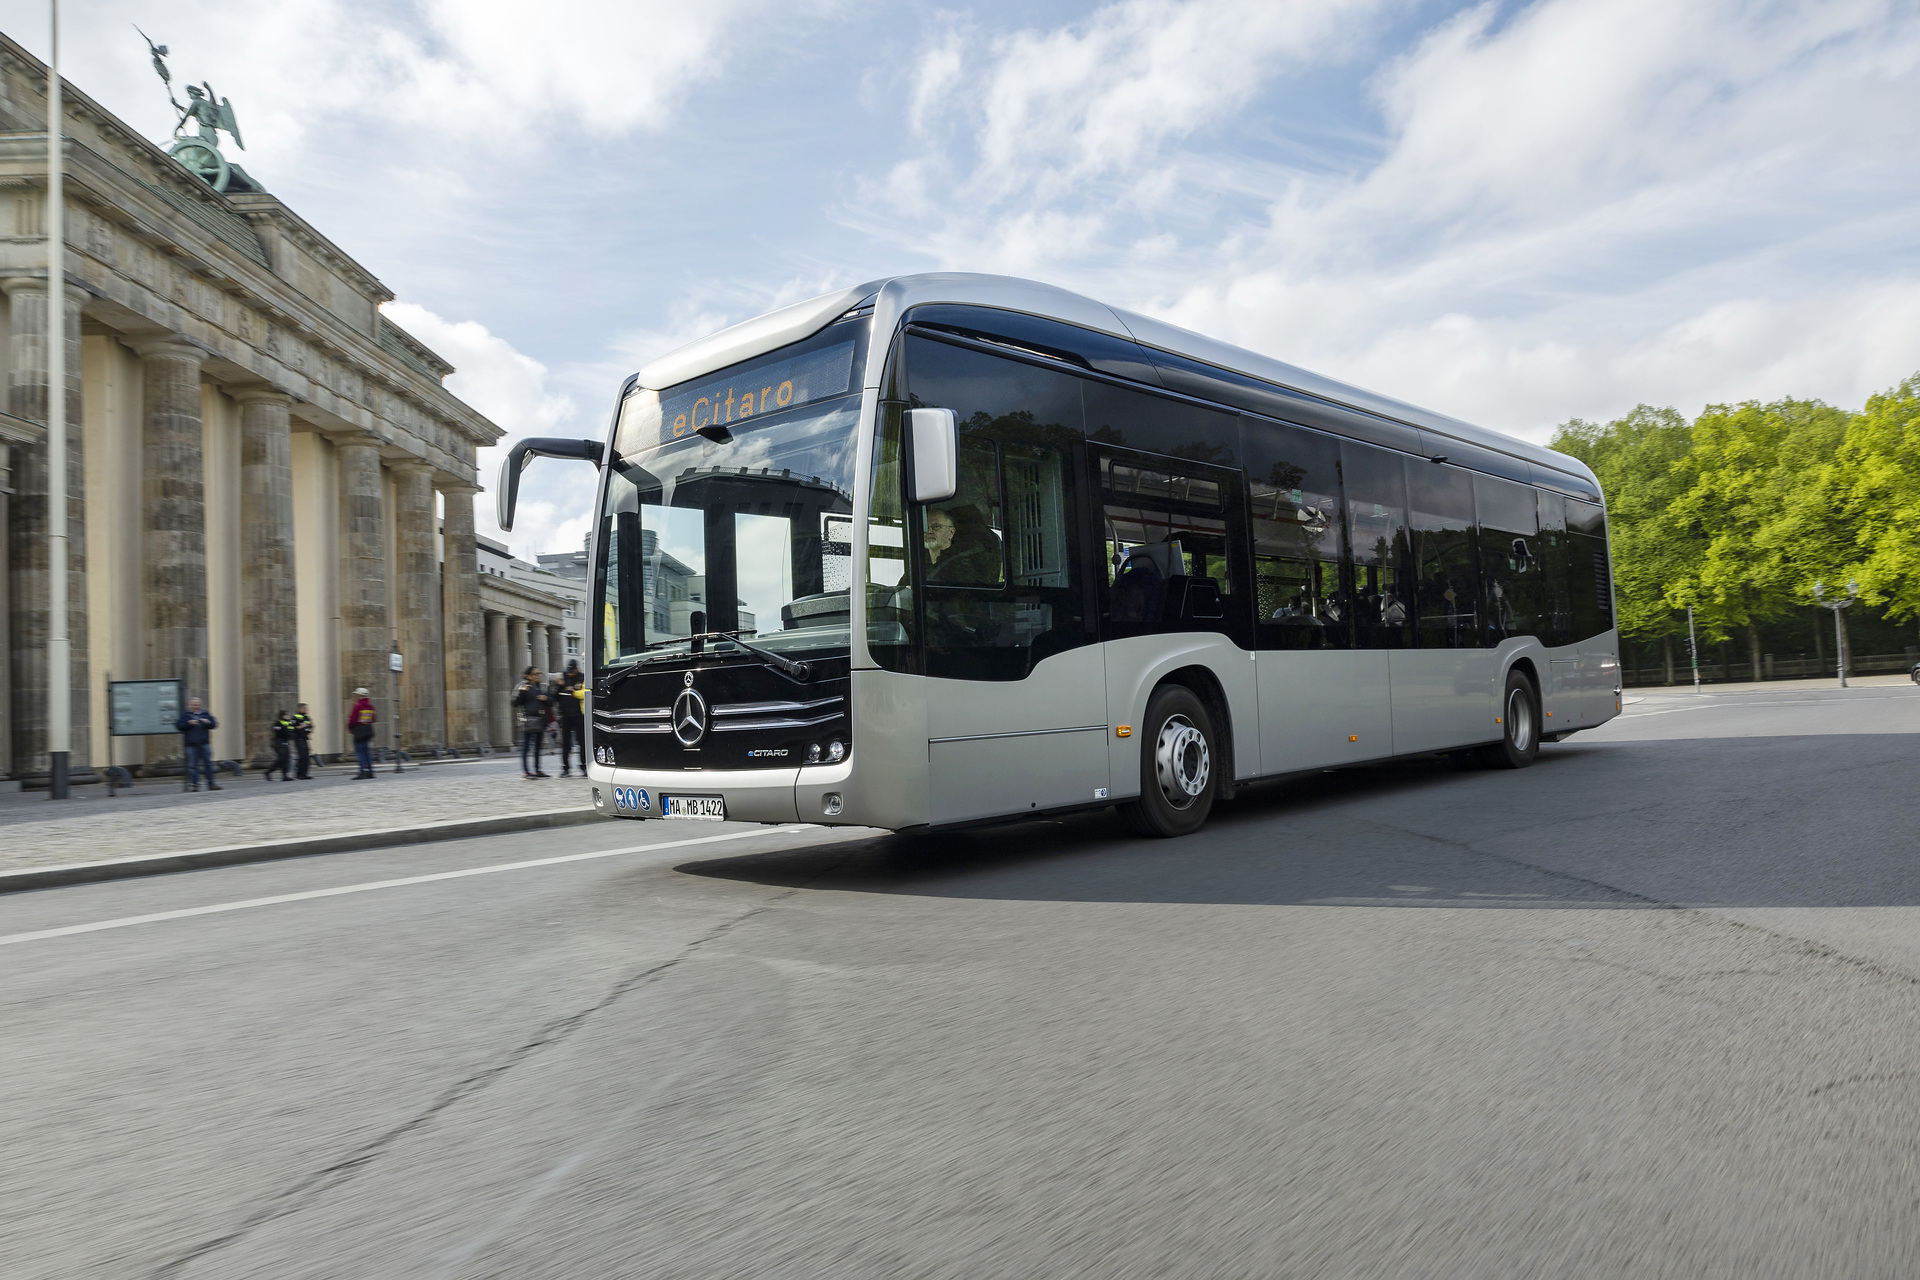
{"type": "Point", "coordinates": [638, 720]}
{"type": "Point", "coordinates": [735, 717]}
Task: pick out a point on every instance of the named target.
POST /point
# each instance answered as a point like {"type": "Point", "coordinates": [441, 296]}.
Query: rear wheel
{"type": "Point", "coordinates": [1177, 763]}
{"type": "Point", "coordinates": [1519, 744]}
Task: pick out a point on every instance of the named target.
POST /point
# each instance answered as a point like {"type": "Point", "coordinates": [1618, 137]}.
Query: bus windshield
{"type": "Point", "coordinates": [750, 533]}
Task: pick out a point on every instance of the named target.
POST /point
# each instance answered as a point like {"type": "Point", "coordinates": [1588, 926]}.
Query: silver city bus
{"type": "Point", "coordinates": [946, 549]}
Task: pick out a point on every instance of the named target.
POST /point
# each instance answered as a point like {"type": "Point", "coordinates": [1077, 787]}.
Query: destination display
{"type": "Point", "coordinates": [735, 396]}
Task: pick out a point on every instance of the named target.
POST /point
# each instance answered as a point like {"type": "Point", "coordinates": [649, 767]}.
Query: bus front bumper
{"type": "Point", "coordinates": [815, 794]}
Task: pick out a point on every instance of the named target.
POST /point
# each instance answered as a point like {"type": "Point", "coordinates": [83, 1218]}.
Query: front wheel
{"type": "Point", "coordinates": [1177, 762]}
{"type": "Point", "coordinates": [1519, 744]}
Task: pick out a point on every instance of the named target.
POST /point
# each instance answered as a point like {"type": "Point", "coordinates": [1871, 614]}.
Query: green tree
{"type": "Point", "coordinates": [1877, 479]}
{"type": "Point", "coordinates": [1761, 503]}
{"type": "Point", "coordinates": [1641, 462]}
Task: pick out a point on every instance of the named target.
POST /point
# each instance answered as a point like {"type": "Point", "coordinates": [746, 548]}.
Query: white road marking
{"type": "Point", "coordinates": [216, 908]}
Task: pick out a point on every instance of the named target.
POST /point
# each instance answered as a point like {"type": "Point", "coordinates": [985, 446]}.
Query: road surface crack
{"type": "Point", "coordinates": [318, 1183]}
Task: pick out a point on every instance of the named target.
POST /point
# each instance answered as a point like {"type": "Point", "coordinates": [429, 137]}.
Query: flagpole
{"type": "Point", "coordinates": [59, 643]}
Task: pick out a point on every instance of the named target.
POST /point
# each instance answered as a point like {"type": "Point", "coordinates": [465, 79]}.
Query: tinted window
{"type": "Point", "coordinates": [1447, 583]}
{"type": "Point", "coordinates": [890, 611]}
{"type": "Point", "coordinates": [1511, 564]}
{"type": "Point", "coordinates": [1155, 424]}
{"type": "Point", "coordinates": [1173, 535]}
{"type": "Point", "coordinates": [1293, 490]}
{"type": "Point", "coordinates": [1556, 605]}
{"type": "Point", "coordinates": [996, 565]}
{"type": "Point", "coordinates": [1376, 489]}
{"type": "Point", "coordinates": [1589, 583]}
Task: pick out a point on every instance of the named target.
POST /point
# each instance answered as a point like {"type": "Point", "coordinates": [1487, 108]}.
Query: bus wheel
{"type": "Point", "coordinates": [1519, 744]}
{"type": "Point", "coordinates": [1176, 765]}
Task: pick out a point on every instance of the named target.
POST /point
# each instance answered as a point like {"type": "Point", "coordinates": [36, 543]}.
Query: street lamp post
{"type": "Point", "coordinates": [1839, 633]}
{"type": "Point", "coordinates": [1693, 650]}
{"type": "Point", "coordinates": [394, 664]}
{"type": "Point", "coordinates": [59, 642]}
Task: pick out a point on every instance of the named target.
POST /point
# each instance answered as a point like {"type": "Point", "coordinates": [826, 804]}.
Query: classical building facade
{"type": "Point", "coordinates": [269, 489]}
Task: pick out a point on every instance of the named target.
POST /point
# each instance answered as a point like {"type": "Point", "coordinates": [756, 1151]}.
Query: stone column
{"type": "Point", "coordinates": [556, 650]}
{"type": "Point", "coordinates": [499, 683]}
{"type": "Point", "coordinates": [173, 524]}
{"type": "Point", "coordinates": [29, 614]}
{"type": "Point", "coordinates": [517, 659]}
{"type": "Point", "coordinates": [269, 617]}
{"type": "Point", "coordinates": [423, 678]}
{"type": "Point", "coordinates": [461, 625]}
{"type": "Point", "coordinates": [364, 638]}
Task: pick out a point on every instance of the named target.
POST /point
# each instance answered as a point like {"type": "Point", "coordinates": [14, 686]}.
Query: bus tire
{"type": "Point", "coordinates": [1519, 744]}
{"type": "Point", "coordinates": [1178, 759]}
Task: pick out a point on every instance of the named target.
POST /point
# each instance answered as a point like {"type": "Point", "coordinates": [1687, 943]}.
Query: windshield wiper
{"type": "Point", "coordinates": [785, 666]}
{"type": "Point", "coordinates": [800, 671]}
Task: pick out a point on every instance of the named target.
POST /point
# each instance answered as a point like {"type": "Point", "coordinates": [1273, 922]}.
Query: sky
{"type": "Point", "coordinates": [1515, 213]}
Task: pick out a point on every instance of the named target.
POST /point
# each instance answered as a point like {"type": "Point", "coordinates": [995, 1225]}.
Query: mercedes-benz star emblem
{"type": "Point", "coordinates": [688, 681]}
{"type": "Point", "coordinates": [689, 718]}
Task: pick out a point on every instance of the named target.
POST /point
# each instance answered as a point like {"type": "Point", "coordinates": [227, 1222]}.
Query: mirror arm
{"type": "Point", "coordinates": [508, 495]}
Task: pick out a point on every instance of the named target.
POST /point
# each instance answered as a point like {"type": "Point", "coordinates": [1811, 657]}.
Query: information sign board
{"type": "Point", "coordinates": [143, 706]}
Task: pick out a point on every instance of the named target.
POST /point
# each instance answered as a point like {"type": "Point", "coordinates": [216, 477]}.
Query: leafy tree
{"type": "Point", "coordinates": [1641, 462]}
{"type": "Point", "coordinates": [1878, 481]}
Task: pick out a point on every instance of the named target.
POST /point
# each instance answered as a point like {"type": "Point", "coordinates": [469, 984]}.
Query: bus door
{"type": "Point", "coordinates": [1173, 562]}
{"type": "Point", "coordinates": [1016, 695]}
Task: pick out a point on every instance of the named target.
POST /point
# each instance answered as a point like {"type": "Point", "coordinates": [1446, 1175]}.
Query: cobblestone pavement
{"type": "Point", "coordinates": [157, 817]}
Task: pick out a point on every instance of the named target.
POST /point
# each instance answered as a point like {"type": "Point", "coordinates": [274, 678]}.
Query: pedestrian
{"type": "Point", "coordinates": [573, 717]}
{"type": "Point", "coordinates": [534, 704]}
{"type": "Point", "coordinates": [196, 726]}
{"type": "Point", "coordinates": [360, 722]}
{"type": "Point", "coordinates": [302, 730]}
{"type": "Point", "coordinates": [282, 748]}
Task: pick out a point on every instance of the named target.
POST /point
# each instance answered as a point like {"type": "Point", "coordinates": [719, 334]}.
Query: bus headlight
{"type": "Point", "coordinates": [813, 754]}
{"type": "Point", "coordinates": [836, 750]}
{"type": "Point", "coordinates": [603, 755]}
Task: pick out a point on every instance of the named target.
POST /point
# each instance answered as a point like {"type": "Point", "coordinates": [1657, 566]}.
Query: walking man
{"type": "Point", "coordinates": [573, 718]}
{"type": "Point", "coordinates": [360, 722]}
{"type": "Point", "coordinates": [534, 704]}
{"type": "Point", "coordinates": [282, 748]}
{"type": "Point", "coordinates": [302, 730]}
{"type": "Point", "coordinates": [196, 727]}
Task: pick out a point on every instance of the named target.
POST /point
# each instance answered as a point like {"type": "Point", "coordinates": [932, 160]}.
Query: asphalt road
{"type": "Point", "coordinates": [1649, 1008]}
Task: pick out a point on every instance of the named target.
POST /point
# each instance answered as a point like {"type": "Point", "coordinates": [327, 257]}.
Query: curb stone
{"type": "Point", "coordinates": [269, 851]}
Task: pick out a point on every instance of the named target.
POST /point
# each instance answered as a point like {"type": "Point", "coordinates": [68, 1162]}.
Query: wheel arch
{"type": "Point", "coordinates": [1205, 685]}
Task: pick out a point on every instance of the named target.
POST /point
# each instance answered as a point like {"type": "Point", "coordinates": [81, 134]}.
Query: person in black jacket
{"type": "Point", "coordinates": [533, 703]}
{"type": "Point", "coordinates": [196, 727]}
{"type": "Point", "coordinates": [573, 713]}
{"type": "Point", "coordinates": [282, 748]}
{"type": "Point", "coordinates": [302, 730]}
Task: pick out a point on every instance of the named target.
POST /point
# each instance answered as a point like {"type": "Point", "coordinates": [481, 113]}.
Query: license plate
{"type": "Point", "coordinates": [708, 808]}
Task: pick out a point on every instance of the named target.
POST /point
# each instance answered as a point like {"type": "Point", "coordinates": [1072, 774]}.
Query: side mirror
{"type": "Point", "coordinates": [934, 436]}
{"type": "Point", "coordinates": [508, 495]}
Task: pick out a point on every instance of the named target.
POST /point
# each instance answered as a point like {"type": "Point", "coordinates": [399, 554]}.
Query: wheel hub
{"type": "Point", "coordinates": [1181, 760]}
{"type": "Point", "coordinates": [1520, 720]}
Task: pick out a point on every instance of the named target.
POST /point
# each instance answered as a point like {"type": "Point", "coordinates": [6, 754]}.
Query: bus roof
{"type": "Point", "coordinates": [892, 298]}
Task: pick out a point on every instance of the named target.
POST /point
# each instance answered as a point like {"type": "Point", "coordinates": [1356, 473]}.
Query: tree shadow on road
{"type": "Point", "coordinates": [1823, 820]}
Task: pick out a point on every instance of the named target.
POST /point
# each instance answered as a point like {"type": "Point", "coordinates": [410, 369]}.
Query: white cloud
{"type": "Point", "coordinates": [512, 390]}
{"type": "Point", "coordinates": [1567, 209]}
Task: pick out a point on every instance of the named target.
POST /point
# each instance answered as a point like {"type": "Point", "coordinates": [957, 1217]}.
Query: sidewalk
{"type": "Point", "coordinates": [157, 818]}
{"type": "Point", "coordinates": [1820, 684]}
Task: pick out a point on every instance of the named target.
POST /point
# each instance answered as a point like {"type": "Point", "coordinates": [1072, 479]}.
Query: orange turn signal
{"type": "Point", "coordinates": [1353, 737]}
{"type": "Point", "coordinates": [1496, 719]}
{"type": "Point", "coordinates": [1123, 731]}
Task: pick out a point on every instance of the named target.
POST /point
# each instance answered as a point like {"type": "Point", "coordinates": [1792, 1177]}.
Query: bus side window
{"type": "Point", "coordinates": [1376, 487]}
{"type": "Point", "coordinates": [1556, 606]}
{"type": "Point", "coordinates": [1510, 560]}
{"type": "Point", "coordinates": [1174, 536]}
{"type": "Point", "coordinates": [890, 611]}
{"type": "Point", "coordinates": [1293, 483]}
{"type": "Point", "coordinates": [1447, 589]}
{"type": "Point", "coordinates": [1589, 582]}
{"type": "Point", "coordinates": [997, 564]}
